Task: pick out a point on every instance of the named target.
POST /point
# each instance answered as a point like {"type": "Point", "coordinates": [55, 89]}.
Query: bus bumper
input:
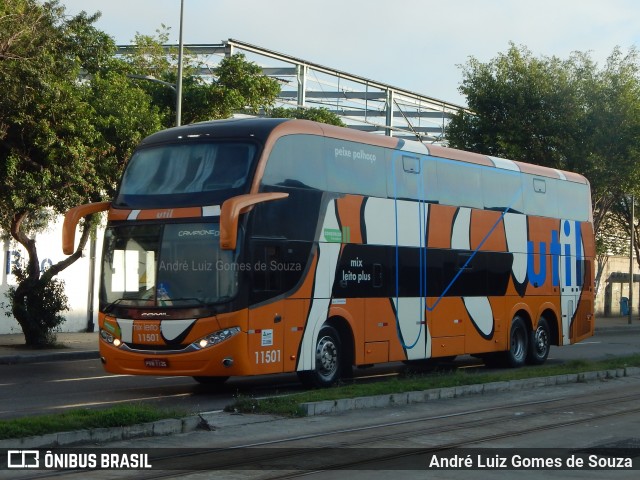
{"type": "Point", "coordinates": [228, 358]}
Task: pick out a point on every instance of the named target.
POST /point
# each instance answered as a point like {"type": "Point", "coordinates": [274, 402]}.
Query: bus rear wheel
{"type": "Point", "coordinates": [539, 344]}
{"type": "Point", "coordinates": [518, 343]}
{"type": "Point", "coordinates": [328, 359]}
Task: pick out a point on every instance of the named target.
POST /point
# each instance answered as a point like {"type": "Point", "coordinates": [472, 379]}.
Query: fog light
{"type": "Point", "coordinates": [116, 342]}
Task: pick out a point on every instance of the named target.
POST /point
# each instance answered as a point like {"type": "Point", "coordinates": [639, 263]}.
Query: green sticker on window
{"type": "Point", "coordinates": [334, 235]}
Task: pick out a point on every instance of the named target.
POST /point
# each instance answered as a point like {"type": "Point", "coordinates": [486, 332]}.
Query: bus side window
{"type": "Point", "coordinates": [266, 274]}
{"type": "Point", "coordinates": [296, 161]}
{"type": "Point", "coordinates": [459, 184]}
{"type": "Point", "coordinates": [573, 201]}
{"type": "Point", "coordinates": [502, 190]}
{"type": "Point", "coordinates": [355, 168]}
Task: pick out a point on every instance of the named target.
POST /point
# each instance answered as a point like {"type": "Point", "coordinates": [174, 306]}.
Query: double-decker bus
{"type": "Point", "coordinates": [261, 246]}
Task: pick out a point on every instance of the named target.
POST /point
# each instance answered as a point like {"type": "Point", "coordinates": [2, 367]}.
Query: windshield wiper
{"type": "Point", "coordinates": [185, 299]}
{"type": "Point", "coordinates": [111, 305]}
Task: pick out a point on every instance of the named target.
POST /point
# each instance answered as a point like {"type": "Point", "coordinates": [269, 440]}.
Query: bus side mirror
{"type": "Point", "coordinates": [232, 209]}
{"type": "Point", "coordinates": [71, 220]}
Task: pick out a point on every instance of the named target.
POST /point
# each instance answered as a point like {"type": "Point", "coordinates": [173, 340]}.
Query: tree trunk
{"type": "Point", "coordinates": [29, 308]}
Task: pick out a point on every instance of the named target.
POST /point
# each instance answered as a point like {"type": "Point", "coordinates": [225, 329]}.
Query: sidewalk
{"type": "Point", "coordinates": [71, 346]}
{"type": "Point", "coordinates": [82, 345]}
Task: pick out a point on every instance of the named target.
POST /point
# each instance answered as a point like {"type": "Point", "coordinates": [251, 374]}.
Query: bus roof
{"type": "Point", "coordinates": [262, 128]}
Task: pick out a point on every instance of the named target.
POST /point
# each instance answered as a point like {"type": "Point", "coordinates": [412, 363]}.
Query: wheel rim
{"type": "Point", "coordinates": [326, 357]}
{"type": "Point", "coordinates": [541, 341]}
{"type": "Point", "coordinates": [518, 343]}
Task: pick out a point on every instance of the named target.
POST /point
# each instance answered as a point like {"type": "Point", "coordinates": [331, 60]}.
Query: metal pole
{"type": "Point", "coordinates": [631, 255]}
{"type": "Point", "coordinates": [389, 113]}
{"type": "Point", "coordinates": [179, 79]}
{"type": "Point", "coordinates": [301, 71]}
{"type": "Point", "coordinates": [92, 280]}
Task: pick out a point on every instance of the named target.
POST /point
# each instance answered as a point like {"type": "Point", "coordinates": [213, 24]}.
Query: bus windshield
{"type": "Point", "coordinates": [186, 174]}
{"type": "Point", "coordinates": [178, 265]}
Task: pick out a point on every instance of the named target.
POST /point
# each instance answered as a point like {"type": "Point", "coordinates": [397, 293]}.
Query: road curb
{"type": "Point", "coordinates": [48, 357]}
{"type": "Point", "coordinates": [169, 426]}
{"type": "Point", "coordinates": [395, 399]}
{"type": "Point", "coordinates": [617, 329]}
{"type": "Point", "coordinates": [214, 420]}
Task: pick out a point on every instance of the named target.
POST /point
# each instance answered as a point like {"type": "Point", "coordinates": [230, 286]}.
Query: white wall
{"type": "Point", "coordinates": [76, 279]}
{"type": "Point", "coordinates": [615, 268]}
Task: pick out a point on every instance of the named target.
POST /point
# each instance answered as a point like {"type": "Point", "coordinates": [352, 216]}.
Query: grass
{"type": "Point", "coordinates": [81, 419]}
{"type": "Point", "coordinates": [289, 405]}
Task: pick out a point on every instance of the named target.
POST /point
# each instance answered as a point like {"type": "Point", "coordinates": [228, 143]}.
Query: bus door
{"type": "Point", "coordinates": [571, 277]}
{"type": "Point", "coordinates": [266, 332]}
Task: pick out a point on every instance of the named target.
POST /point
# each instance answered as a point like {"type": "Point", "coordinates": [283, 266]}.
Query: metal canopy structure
{"type": "Point", "coordinates": [361, 103]}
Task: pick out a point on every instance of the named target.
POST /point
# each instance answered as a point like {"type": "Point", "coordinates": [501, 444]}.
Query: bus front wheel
{"type": "Point", "coordinates": [328, 359]}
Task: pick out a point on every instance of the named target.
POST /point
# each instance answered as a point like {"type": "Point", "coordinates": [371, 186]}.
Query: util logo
{"type": "Point", "coordinates": [165, 213]}
{"type": "Point", "coordinates": [567, 249]}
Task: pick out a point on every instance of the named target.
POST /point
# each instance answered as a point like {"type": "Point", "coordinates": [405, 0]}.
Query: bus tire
{"type": "Point", "coordinates": [539, 343]}
{"type": "Point", "coordinates": [328, 356]}
{"type": "Point", "coordinates": [210, 380]}
{"type": "Point", "coordinates": [518, 343]}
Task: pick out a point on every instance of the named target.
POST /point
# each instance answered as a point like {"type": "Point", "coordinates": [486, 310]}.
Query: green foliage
{"type": "Point", "coordinates": [321, 115]}
{"type": "Point", "coordinates": [234, 86]}
{"type": "Point", "coordinates": [44, 303]}
{"type": "Point", "coordinates": [567, 114]}
{"type": "Point", "coordinates": [118, 416]}
{"type": "Point", "coordinates": [289, 405]}
{"type": "Point", "coordinates": [63, 142]}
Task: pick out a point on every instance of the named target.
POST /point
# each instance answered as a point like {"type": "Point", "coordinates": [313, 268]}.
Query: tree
{"type": "Point", "coordinates": [620, 216]}
{"type": "Point", "coordinates": [235, 85]}
{"type": "Point", "coordinates": [321, 115]}
{"type": "Point", "coordinates": [70, 116]}
{"type": "Point", "coordinates": [566, 114]}
{"type": "Point", "coordinates": [62, 140]}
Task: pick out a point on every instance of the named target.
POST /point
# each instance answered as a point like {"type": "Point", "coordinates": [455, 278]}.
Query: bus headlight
{"type": "Point", "coordinates": [216, 337]}
{"type": "Point", "coordinates": [109, 338]}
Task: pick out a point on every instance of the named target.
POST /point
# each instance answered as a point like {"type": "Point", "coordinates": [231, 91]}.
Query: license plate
{"type": "Point", "coordinates": [156, 362]}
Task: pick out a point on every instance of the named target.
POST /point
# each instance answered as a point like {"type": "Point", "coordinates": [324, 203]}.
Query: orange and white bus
{"type": "Point", "coordinates": [261, 246]}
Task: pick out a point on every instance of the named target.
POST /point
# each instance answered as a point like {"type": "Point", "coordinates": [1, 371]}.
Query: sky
{"type": "Point", "coordinates": [417, 45]}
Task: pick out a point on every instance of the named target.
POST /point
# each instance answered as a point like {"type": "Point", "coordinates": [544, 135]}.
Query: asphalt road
{"type": "Point", "coordinates": [36, 388]}
{"type": "Point", "coordinates": [596, 421]}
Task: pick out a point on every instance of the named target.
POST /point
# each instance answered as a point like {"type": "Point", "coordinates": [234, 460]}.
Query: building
{"type": "Point", "coordinates": [613, 287]}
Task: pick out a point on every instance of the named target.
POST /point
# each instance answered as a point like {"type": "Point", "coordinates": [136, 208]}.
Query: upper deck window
{"type": "Point", "coordinates": [187, 174]}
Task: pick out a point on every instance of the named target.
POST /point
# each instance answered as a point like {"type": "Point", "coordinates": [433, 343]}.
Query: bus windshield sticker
{"type": "Point", "coordinates": [334, 235]}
